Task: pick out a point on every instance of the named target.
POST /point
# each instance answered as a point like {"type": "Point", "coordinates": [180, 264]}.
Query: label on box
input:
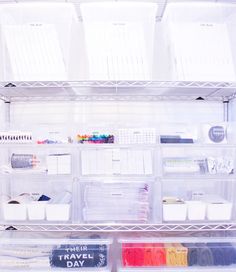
{"type": "Point", "coordinates": [75, 256]}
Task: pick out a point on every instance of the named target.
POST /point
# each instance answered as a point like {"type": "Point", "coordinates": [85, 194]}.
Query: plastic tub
{"type": "Point", "coordinates": [51, 254]}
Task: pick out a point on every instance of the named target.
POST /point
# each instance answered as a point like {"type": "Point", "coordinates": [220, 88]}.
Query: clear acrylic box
{"type": "Point", "coordinates": [117, 161]}
{"type": "Point", "coordinates": [50, 29]}
{"type": "Point", "coordinates": [215, 161]}
{"type": "Point", "coordinates": [169, 253]}
{"type": "Point", "coordinates": [190, 200]}
{"type": "Point", "coordinates": [37, 200]}
{"type": "Point", "coordinates": [119, 201]}
{"type": "Point", "coordinates": [55, 252]}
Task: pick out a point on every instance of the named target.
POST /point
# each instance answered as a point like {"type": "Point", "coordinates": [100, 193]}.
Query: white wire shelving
{"type": "Point", "coordinates": [178, 227]}
{"type": "Point", "coordinates": [116, 90]}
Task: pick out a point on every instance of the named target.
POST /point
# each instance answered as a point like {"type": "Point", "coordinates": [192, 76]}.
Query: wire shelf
{"type": "Point", "coordinates": [116, 90]}
{"type": "Point", "coordinates": [121, 227]}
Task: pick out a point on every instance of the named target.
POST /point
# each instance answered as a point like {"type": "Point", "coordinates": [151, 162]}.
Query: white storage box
{"type": "Point", "coordinates": [15, 212]}
{"type": "Point", "coordinates": [58, 212]}
{"type": "Point", "coordinates": [196, 210]}
{"type": "Point", "coordinates": [174, 212]}
{"type": "Point", "coordinates": [36, 210]}
{"type": "Point", "coordinates": [219, 211]}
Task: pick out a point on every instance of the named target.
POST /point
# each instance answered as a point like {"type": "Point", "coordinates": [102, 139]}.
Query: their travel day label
{"type": "Point", "coordinates": [75, 256]}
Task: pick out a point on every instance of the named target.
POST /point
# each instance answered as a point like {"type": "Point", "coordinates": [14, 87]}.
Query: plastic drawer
{"type": "Point", "coordinates": [178, 252]}
{"type": "Point", "coordinates": [120, 201]}
{"type": "Point", "coordinates": [55, 254]}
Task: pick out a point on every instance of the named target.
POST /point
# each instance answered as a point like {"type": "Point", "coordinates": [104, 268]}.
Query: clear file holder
{"type": "Point", "coordinates": [117, 201]}
{"type": "Point", "coordinates": [50, 41]}
{"type": "Point", "coordinates": [48, 254]}
{"type": "Point", "coordinates": [196, 201]}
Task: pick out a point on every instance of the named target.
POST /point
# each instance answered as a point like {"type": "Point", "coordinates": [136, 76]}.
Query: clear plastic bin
{"type": "Point", "coordinates": [186, 253]}
{"type": "Point", "coordinates": [117, 161]}
{"type": "Point", "coordinates": [117, 201]}
{"type": "Point", "coordinates": [55, 254]}
{"type": "Point", "coordinates": [36, 200]}
{"type": "Point", "coordinates": [198, 161]}
{"type": "Point", "coordinates": [40, 29]}
{"type": "Point", "coordinates": [194, 200]}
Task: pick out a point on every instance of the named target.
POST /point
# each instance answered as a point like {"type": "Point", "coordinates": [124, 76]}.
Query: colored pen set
{"type": "Point", "coordinates": [96, 139]}
{"type": "Point", "coordinates": [178, 254]}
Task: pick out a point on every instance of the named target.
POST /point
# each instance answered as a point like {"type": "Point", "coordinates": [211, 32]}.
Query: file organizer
{"type": "Point", "coordinates": [212, 59]}
{"type": "Point", "coordinates": [118, 50]}
{"type": "Point", "coordinates": [43, 33]}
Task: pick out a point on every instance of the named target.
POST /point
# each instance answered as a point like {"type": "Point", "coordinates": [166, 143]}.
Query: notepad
{"type": "Point", "coordinates": [38, 55]}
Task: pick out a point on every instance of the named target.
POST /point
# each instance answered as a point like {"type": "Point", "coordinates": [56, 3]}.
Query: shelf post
{"type": "Point", "coordinates": [226, 110]}
{"type": "Point", "coordinates": [7, 114]}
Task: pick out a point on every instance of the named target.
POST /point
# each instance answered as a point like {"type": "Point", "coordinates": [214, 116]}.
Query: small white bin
{"type": "Point", "coordinates": [196, 210]}
{"type": "Point", "coordinates": [36, 210]}
{"type": "Point", "coordinates": [58, 212]}
{"type": "Point", "coordinates": [219, 211]}
{"type": "Point", "coordinates": [174, 212]}
{"type": "Point", "coordinates": [15, 212]}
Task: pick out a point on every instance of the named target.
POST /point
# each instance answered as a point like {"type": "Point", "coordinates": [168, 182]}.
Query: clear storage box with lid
{"type": "Point", "coordinates": [42, 253]}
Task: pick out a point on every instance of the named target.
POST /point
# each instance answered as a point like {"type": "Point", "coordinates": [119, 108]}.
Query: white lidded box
{"type": "Point", "coordinates": [174, 212]}
{"type": "Point", "coordinates": [196, 210]}
{"type": "Point", "coordinates": [58, 212]}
